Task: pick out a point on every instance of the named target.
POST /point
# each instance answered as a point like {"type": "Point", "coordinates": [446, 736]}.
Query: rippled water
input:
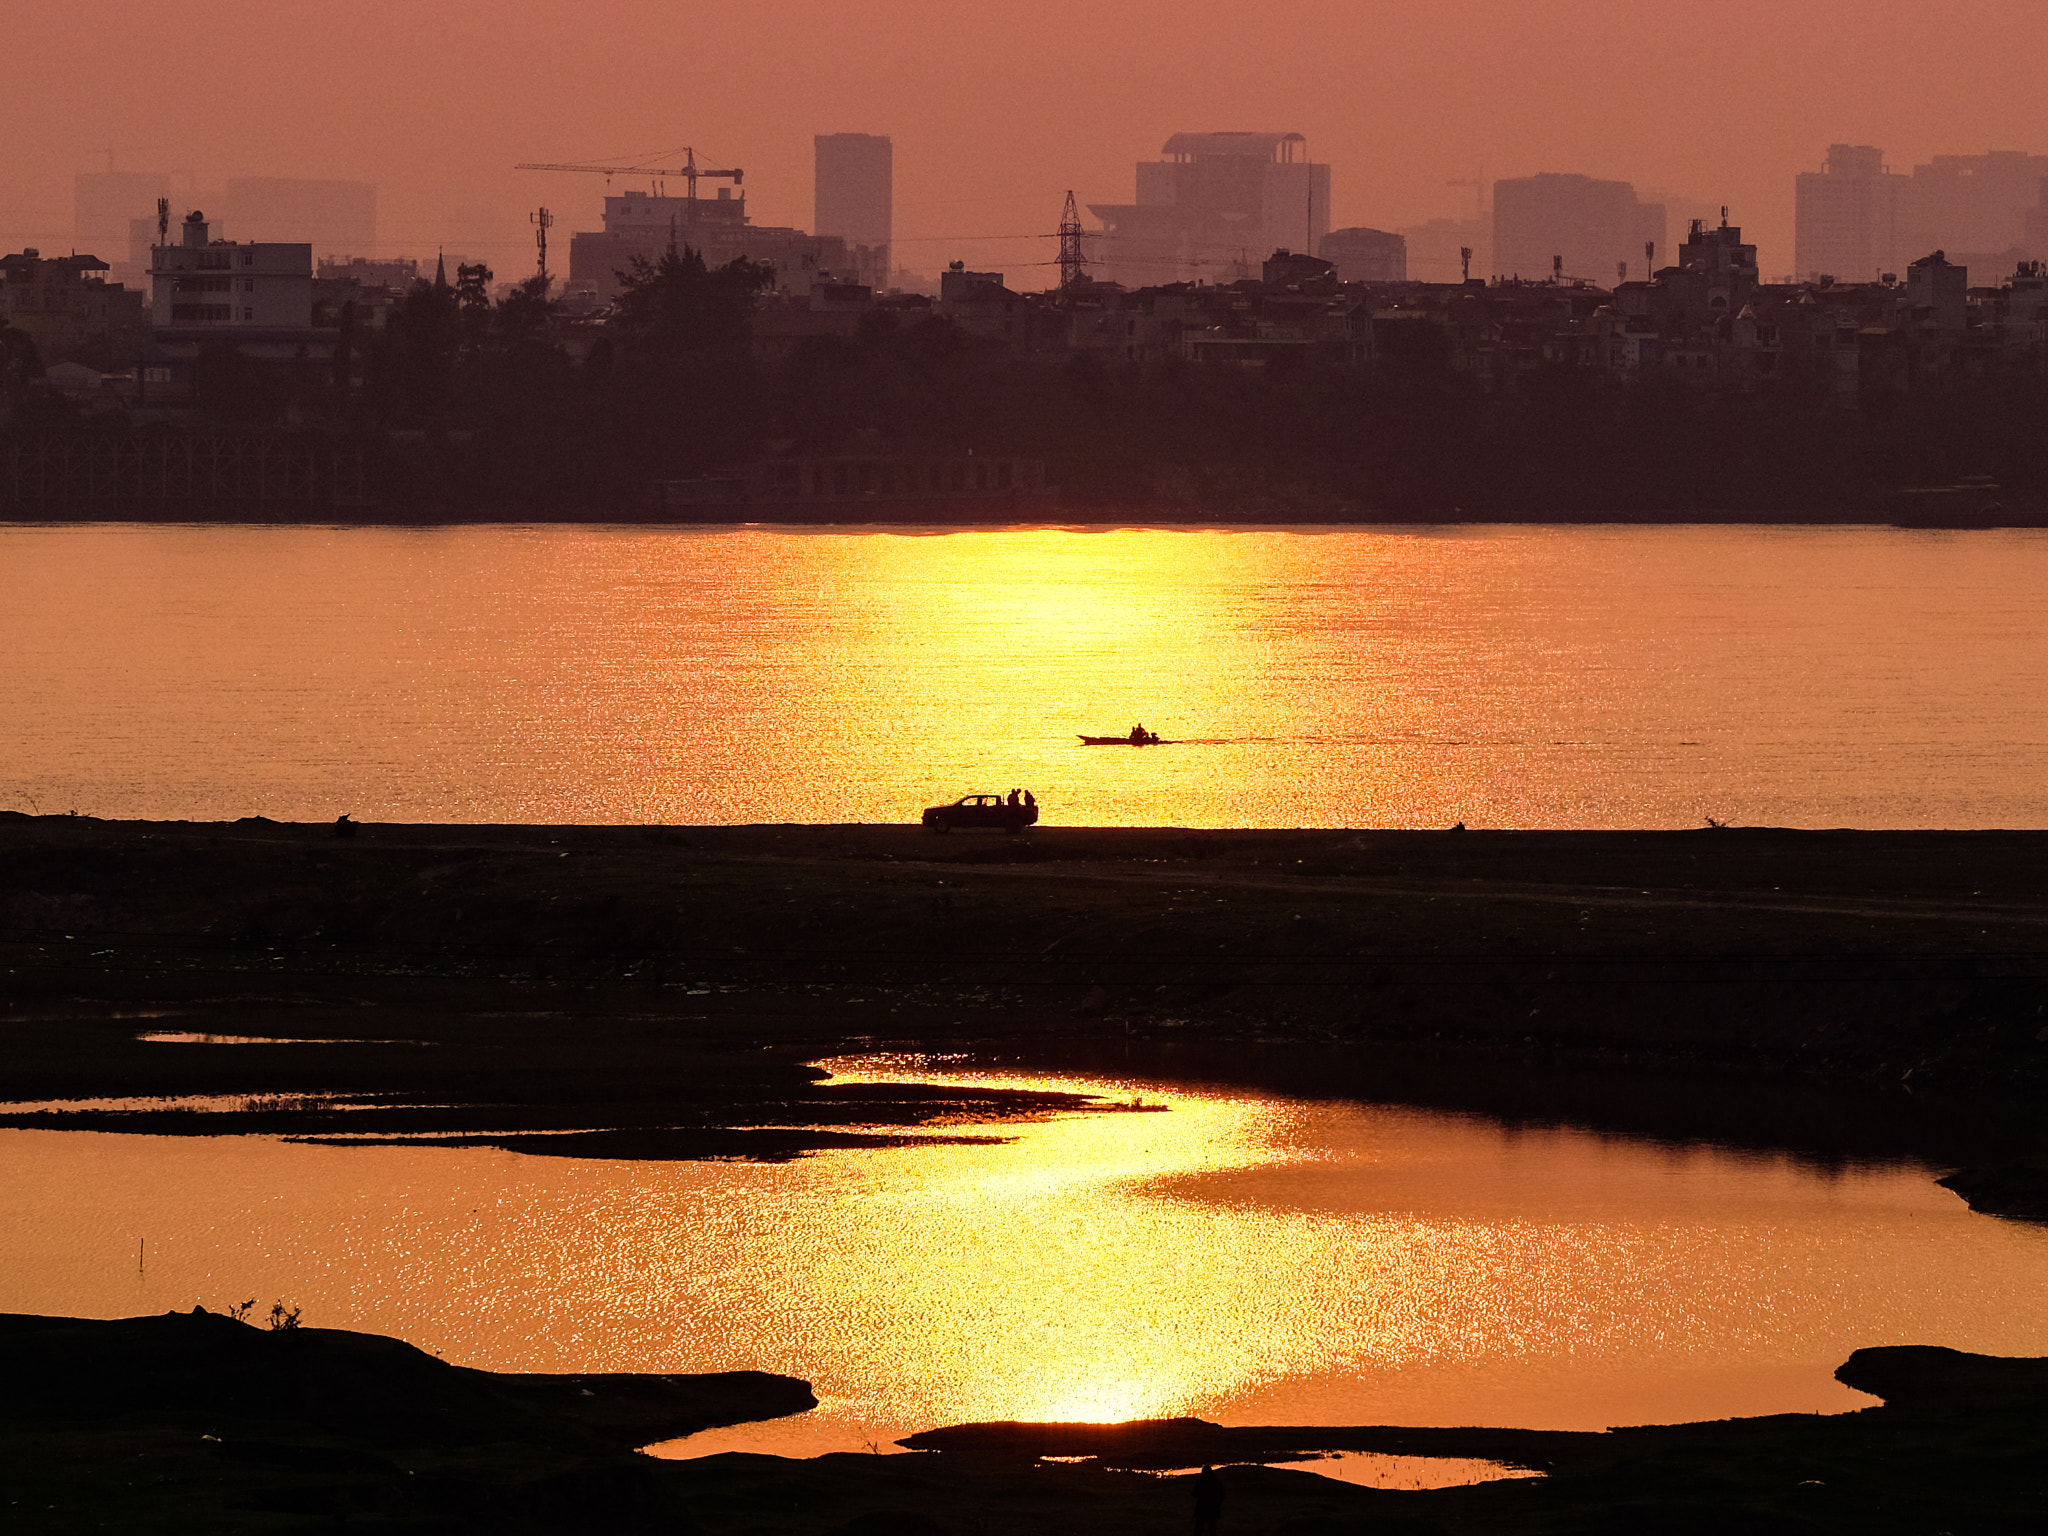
{"type": "Point", "coordinates": [1249, 1259]}
{"type": "Point", "coordinates": [1520, 676]}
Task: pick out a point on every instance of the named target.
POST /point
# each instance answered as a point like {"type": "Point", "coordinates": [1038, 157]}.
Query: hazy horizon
{"type": "Point", "coordinates": [992, 124]}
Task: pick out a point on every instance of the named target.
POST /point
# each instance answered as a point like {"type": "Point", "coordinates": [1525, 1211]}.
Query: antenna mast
{"type": "Point", "coordinates": [163, 221]}
{"type": "Point", "coordinates": [542, 221]}
{"type": "Point", "coordinates": [1072, 261]}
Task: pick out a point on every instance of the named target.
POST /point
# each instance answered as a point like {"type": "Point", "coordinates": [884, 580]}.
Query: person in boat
{"type": "Point", "coordinates": [1030, 800]}
{"type": "Point", "coordinates": [1137, 735]}
{"type": "Point", "coordinates": [1013, 799]}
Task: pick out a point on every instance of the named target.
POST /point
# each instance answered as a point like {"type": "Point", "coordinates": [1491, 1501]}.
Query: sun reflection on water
{"type": "Point", "coordinates": [1244, 1259]}
{"type": "Point", "coordinates": [1047, 1285]}
{"type": "Point", "coordinates": [1519, 677]}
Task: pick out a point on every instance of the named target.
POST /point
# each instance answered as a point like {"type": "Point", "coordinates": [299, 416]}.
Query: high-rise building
{"type": "Point", "coordinates": [1569, 225]}
{"type": "Point", "coordinates": [1848, 217]}
{"type": "Point", "coordinates": [854, 192]}
{"type": "Point", "coordinates": [330, 216]}
{"type": "Point", "coordinates": [1366, 255]}
{"type": "Point", "coordinates": [1215, 208]}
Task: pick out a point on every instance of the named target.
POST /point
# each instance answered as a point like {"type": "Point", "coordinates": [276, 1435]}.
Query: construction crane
{"type": "Point", "coordinates": [689, 172]}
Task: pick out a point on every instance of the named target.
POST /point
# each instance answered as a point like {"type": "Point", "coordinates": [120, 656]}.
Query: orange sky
{"type": "Point", "coordinates": [995, 112]}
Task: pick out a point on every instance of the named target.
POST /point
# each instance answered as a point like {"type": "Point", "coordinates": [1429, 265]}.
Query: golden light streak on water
{"type": "Point", "coordinates": [1521, 677]}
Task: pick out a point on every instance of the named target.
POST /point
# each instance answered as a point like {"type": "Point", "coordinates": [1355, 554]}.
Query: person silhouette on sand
{"type": "Point", "coordinates": [1208, 1501]}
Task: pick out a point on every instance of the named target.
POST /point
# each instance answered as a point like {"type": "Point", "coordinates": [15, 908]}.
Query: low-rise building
{"type": "Point", "coordinates": [250, 290]}
{"type": "Point", "coordinates": [70, 311]}
{"type": "Point", "coordinates": [983, 307]}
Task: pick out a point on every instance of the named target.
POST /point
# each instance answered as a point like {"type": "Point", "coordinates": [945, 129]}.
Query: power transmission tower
{"type": "Point", "coordinates": [1072, 261]}
{"type": "Point", "coordinates": [543, 221]}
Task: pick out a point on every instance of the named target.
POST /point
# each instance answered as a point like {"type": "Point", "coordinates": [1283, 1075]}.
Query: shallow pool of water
{"type": "Point", "coordinates": [1241, 1257]}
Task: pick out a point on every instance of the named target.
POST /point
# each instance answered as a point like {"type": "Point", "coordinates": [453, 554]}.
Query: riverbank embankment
{"type": "Point", "coordinates": [1841, 993]}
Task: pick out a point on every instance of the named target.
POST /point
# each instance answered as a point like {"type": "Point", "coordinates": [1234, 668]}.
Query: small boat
{"type": "Point", "coordinates": [1149, 739]}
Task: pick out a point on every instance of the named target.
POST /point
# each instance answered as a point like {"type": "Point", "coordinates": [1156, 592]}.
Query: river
{"type": "Point", "coordinates": [1507, 676]}
{"type": "Point", "coordinates": [1249, 1258]}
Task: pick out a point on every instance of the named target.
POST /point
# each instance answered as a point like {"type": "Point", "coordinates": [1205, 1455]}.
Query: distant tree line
{"type": "Point", "coordinates": [476, 407]}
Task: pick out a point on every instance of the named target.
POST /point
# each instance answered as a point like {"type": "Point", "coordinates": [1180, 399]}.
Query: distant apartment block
{"type": "Point", "coordinates": [1366, 255]}
{"type": "Point", "coordinates": [1856, 218]}
{"type": "Point", "coordinates": [1435, 249]}
{"type": "Point", "coordinates": [1573, 226]}
{"type": "Point", "coordinates": [252, 292]}
{"type": "Point", "coordinates": [644, 225]}
{"type": "Point", "coordinates": [1977, 203]}
{"type": "Point", "coordinates": [328, 215]}
{"type": "Point", "coordinates": [1214, 209]}
{"type": "Point", "coordinates": [854, 198]}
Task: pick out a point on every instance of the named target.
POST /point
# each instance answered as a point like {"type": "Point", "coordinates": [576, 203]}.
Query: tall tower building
{"type": "Point", "coordinates": [855, 190]}
{"type": "Point", "coordinates": [1849, 217]}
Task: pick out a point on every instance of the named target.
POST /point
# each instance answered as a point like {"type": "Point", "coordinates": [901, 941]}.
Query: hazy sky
{"type": "Point", "coordinates": [994, 112]}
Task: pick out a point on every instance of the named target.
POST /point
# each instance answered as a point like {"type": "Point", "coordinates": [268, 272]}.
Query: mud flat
{"type": "Point", "coordinates": [659, 992]}
{"type": "Point", "coordinates": [199, 1423]}
{"type": "Point", "coordinates": [661, 988]}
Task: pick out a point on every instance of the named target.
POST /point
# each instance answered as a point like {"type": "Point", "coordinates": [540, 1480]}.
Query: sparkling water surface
{"type": "Point", "coordinates": [1246, 1258]}
{"type": "Point", "coordinates": [1509, 676]}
